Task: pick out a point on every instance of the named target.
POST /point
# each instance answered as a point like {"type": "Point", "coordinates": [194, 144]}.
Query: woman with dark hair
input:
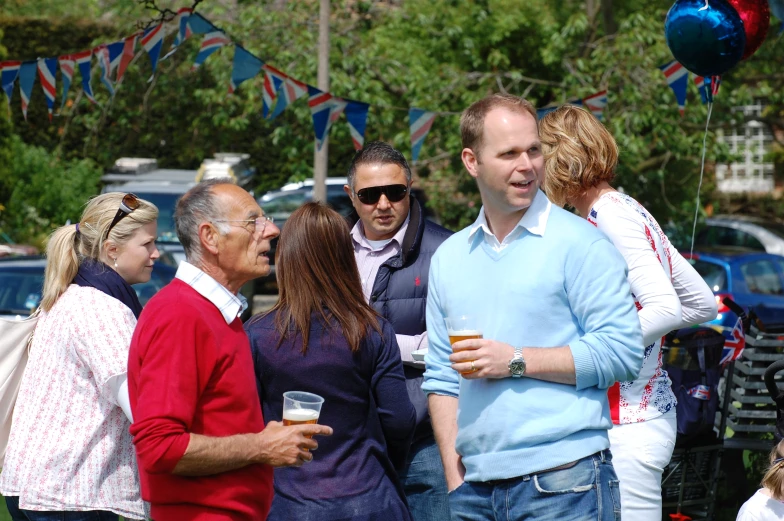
{"type": "Point", "coordinates": [321, 337]}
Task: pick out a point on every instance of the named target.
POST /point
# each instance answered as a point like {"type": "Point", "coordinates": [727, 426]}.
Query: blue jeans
{"type": "Point", "coordinates": [17, 514]}
{"type": "Point", "coordinates": [588, 491]}
{"type": "Point", "coordinates": [424, 483]}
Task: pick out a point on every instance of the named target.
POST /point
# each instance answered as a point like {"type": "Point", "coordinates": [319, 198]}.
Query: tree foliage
{"type": "Point", "coordinates": [438, 55]}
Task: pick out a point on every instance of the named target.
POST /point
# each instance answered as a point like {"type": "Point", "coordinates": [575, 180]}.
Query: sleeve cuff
{"type": "Point", "coordinates": [584, 368]}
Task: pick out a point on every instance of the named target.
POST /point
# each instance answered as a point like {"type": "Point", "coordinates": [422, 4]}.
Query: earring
{"type": "Point", "coordinates": [115, 262]}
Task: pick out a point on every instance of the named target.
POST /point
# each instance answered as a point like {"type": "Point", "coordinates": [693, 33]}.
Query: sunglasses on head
{"type": "Point", "coordinates": [128, 204]}
{"type": "Point", "coordinates": [372, 194]}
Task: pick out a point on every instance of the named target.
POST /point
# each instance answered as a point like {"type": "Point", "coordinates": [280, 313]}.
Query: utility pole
{"type": "Point", "coordinates": [320, 157]}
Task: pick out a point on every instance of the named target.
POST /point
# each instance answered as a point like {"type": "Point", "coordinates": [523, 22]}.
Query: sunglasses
{"type": "Point", "coordinates": [128, 204]}
{"type": "Point", "coordinates": [372, 194]}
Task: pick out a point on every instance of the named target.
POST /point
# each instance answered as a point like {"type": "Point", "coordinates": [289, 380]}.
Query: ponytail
{"type": "Point", "coordinates": [61, 266]}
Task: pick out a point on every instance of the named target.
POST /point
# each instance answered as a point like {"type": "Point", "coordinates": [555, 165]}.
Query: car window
{"type": "Point", "coordinates": [284, 204]}
{"type": "Point", "coordinates": [726, 236]}
{"type": "Point", "coordinates": [761, 276]}
{"type": "Point", "coordinates": [341, 203]}
{"type": "Point", "coordinates": [714, 275]}
{"type": "Point", "coordinates": [20, 291]}
{"type": "Point", "coordinates": [166, 204]}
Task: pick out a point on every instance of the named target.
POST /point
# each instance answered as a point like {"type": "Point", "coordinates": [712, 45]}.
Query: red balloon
{"type": "Point", "coordinates": [756, 21]}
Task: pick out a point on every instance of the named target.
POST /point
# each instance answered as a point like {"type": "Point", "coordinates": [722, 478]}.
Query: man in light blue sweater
{"type": "Point", "coordinates": [524, 433]}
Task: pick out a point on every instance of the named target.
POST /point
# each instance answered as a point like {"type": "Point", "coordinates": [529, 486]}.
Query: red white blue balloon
{"type": "Point", "coordinates": [706, 36]}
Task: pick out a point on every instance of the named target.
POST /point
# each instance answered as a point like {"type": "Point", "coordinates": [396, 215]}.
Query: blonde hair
{"type": "Point", "coordinates": [472, 121]}
{"type": "Point", "coordinates": [579, 153]}
{"type": "Point", "coordinates": [773, 480]}
{"type": "Point", "coordinates": [66, 249]}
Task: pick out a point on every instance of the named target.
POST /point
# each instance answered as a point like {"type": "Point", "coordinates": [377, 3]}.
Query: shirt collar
{"type": "Point", "coordinates": [230, 305]}
{"type": "Point", "coordinates": [358, 234]}
{"type": "Point", "coordinates": [534, 219]}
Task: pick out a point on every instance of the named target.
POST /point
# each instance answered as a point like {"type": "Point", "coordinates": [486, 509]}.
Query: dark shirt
{"type": "Point", "coordinates": [352, 475]}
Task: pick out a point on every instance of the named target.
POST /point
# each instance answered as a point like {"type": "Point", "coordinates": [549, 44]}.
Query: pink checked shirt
{"type": "Point", "coordinates": [70, 447]}
{"type": "Point", "coordinates": [369, 260]}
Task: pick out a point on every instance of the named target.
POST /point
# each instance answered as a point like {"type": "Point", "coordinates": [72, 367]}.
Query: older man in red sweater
{"type": "Point", "coordinates": [202, 447]}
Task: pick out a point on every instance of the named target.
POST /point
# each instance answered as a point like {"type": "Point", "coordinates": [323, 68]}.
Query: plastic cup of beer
{"type": "Point", "coordinates": [462, 327]}
{"type": "Point", "coordinates": [301, 408]}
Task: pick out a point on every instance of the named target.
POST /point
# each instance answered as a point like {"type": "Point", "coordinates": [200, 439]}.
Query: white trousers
{"type": "Point", "coordinates": [640, 451]}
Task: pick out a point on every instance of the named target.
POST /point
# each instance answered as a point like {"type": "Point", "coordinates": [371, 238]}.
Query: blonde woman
{"type": "Point", "coordinates": [70, 455]}
{"type": "Point", "coordinates": [580, 160]}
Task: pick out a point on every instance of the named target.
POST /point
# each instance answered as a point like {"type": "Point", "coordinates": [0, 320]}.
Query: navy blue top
{"type": "Point", "coordinates": [352, 475]}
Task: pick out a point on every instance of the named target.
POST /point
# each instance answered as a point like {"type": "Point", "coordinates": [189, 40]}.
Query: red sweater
{"type": "Point", "coordinates": [190, 372]}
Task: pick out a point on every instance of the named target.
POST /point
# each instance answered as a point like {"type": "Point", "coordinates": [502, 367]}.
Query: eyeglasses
{"type": "Point", "coordinates": [128, 204]}
{"type": "Point", "coordinates": [372, 194]}
{"type": "Point", "coordinates": [258, 224]}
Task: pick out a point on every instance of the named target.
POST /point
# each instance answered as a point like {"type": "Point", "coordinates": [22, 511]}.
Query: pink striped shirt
{"type": "Point", "coordinates": [70, 447]}
{"type": "Point", "coordinates": [369, 260]}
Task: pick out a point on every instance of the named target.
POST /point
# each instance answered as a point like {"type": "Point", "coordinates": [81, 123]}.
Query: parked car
{"type": "Point", "coordinates": [753, 280]}
{"type": "Point", "coordinates": [739, 231]}
{"type": "Point", "coordinates": [22, 281]}
{"type": "Point", "coordinates": [280, 203]}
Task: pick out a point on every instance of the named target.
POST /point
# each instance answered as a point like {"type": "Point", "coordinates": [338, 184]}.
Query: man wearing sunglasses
{"type": "Point", "coordinates": [393, 243]}
{"type": "Point", "coordinates": [201, 443]}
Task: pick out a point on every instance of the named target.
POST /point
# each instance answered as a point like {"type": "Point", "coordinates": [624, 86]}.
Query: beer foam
{"type": "Point", "coordinates": [300, 415]}
{"type": "Point", "coordinates": [465, 332]}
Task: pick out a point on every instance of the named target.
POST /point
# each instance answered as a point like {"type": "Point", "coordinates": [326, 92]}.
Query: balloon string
{"type": "Point", "coordinates": [702, 171]}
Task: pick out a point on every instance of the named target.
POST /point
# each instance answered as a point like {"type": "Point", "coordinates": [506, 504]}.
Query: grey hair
{"type": "Point", "coordinates": [196, 206]}
{"type": "Point", "coordinates": [378, 153]}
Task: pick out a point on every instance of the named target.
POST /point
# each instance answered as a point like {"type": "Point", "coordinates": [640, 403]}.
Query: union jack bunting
{"type": "Point", "coordinates": [678, 79]}
{"type": "Point", "coordinates": [420, 122]}
{"type": "Point", "coordinates": [197, 24]}
{"type": "Point", "coordinates": [705, 94]}
{"type": "Point", "coordinates": [27, 74]}
{"type": "Point", "coordinates": [211, 43]}
{"type": "Point", "coordinates": [129, 49]}
{"type": "Point", "coordinates": [47, 68]}
{"type": "Point", "coordinates": [67, 70]}
{"type": "Point", "coordinates": [290, 91]}
{"type": "Point", "coordinates": [102, 53]}
{"type": "Point", "coordinates": [325, 110]}
{"type": "Point", "coordinates": [82, 60]}
{"type": "Point", "coordinates": [273, 79]}
{"type": "Point", "coordinates": [183, 29]}
{"type": "Point", "coordinates": [245, 66]}
{"type": "Point", "coordinates": [734, 342]}
{"type": "Point", "coordinates": [596, 103]}
{"type": "Point", "coordinates": [152, 41]}
{"type": "Point", "coordinates": [356, 114]}
{"type": "Point", "coordinates": [9, 70]}
{"type": "Point", "coordinates": [115, 54]}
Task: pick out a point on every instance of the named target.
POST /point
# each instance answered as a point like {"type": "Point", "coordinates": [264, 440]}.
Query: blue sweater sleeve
{"type": "Point", "coordinates": [395, 410]}
{"type": "Point", "coordinates": [610, 349]}
{"type": "Point", "coordinates": [440, 378]}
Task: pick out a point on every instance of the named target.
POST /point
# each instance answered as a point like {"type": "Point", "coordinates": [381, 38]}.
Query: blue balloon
{"type": "Point", "coordinates": [707, 41]}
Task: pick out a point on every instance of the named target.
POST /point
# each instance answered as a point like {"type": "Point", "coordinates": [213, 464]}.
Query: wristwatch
{"type": "Point", "coordinates": [517, 363]}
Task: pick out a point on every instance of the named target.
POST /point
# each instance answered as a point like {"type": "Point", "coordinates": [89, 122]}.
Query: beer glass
{"type": "Point", "coordinates": [300, 408]}
{"type": "Point", "coordinates": [462, 327]}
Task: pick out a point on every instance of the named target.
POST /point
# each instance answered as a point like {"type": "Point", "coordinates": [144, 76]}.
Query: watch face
{"type": "Point", "coordinates": [517, 367]}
